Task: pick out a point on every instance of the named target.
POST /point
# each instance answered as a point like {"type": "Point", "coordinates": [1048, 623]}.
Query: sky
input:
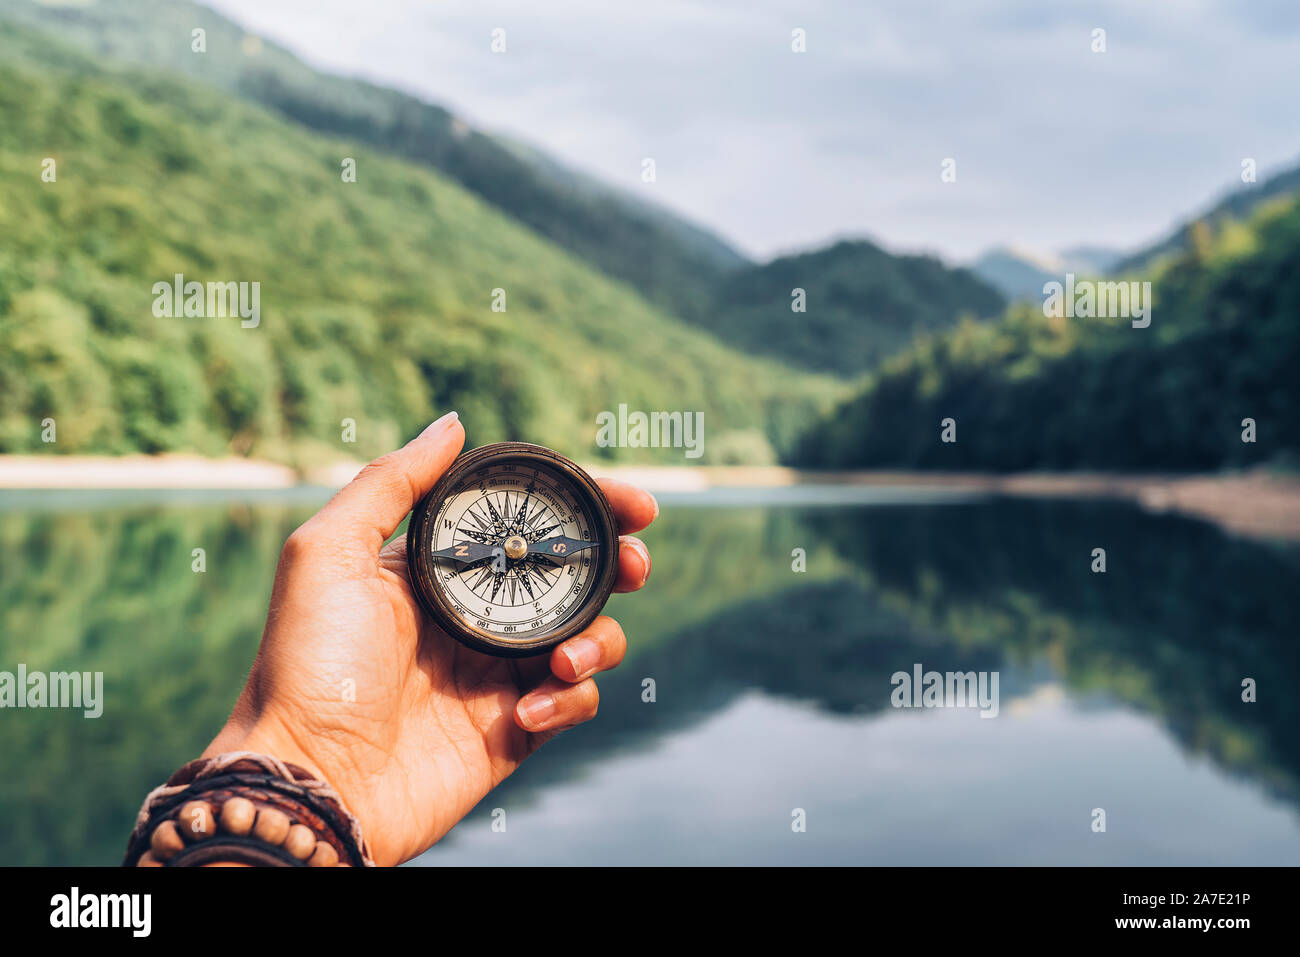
{"type": "Point", "coordinates": [1055, 145]}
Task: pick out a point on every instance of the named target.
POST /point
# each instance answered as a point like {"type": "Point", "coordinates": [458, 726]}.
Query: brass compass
{"type": "Point", "coordinates": [514, 550]}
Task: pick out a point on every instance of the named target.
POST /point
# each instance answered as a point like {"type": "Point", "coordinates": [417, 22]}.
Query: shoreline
{"type": "Point", "coordinates": [1255, 503]}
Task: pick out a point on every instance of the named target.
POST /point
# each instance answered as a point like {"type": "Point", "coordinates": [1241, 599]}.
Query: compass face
{"type": "Point", "coordinates": [514, 550]}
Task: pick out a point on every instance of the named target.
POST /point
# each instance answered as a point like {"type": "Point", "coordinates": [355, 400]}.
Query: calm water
{"type": "Point", "coordinates": [1119, 691]}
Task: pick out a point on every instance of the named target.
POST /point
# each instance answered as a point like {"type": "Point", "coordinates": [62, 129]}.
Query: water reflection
{"type": "Point", "coordinates": [772, 688]}
{"type": "Point", "coordinates": [1110, 684]}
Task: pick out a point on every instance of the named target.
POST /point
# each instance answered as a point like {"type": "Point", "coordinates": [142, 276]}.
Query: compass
{"type": "Point", "coordinates": [514, 550]}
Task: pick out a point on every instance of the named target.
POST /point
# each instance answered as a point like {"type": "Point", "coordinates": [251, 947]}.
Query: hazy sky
{"type": "Point", "coordinates": [1055, 145]}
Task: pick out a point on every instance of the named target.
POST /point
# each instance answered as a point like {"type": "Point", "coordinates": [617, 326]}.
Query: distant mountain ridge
{"type": "Point", "coordinates": [1019, 274]}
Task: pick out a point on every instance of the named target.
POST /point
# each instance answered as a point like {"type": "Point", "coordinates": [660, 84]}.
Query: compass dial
{"type": "Point", "coordinates": [514, 550]}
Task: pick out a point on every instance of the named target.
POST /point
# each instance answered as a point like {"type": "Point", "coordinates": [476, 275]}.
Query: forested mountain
{"type": "Point", "coordinates": [673, 263]}
{"type": "Point", "coordinates": [376, 296]}
{"type": "Point", "coordinates": [864, 303]}
{"type": "Point", "coordinates": [1028, 392]}
{"type": "Point", "coordinates": [861, 304]}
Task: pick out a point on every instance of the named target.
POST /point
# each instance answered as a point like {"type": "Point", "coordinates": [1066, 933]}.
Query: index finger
{"type": "Point", "coordinates": [634, 508]}
{"type": "Point", "coordinates": [370, 507]}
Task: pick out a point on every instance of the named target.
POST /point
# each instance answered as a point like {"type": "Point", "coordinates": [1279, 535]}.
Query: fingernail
{"type": "Point", "coordinates": [583, 655]}
{"type": "Point", "coordinates": [445, 421]}
{"type": "Point", "coordinates": [638, 546]}
{"type": "Point", "coordinates": [656, 504]}
{"type": "Point", "coordinates": [534, 710]}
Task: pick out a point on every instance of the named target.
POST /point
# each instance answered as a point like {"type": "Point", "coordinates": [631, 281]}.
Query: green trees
{"type": "Point", "coordinates": [671, 262]}
{"type": "Point", "coordinates": [862, 304]}
{"type": "Point", "coordinates": [1035, 392]}
{"type": "Point", "coordinates": [376, 296]}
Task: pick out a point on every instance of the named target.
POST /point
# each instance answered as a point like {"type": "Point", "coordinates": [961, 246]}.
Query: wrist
{"type": "Point", "coordinates": [267, 735]}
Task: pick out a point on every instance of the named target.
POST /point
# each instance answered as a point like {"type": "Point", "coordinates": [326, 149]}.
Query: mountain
{"type": "Point", "coordinates": [1090, 260]}
{"type": "Point", "coordinates": [1019, 274]}
{"type": "Point", "coordinates": [684, 269]}
{"type": "Point", "coordinates": [376, 296]}
{"type": "Point", "coordinates": [1237, 204]}
{"type": "Point", "coordinates": [672, 262]}
{"type": "Point", "coordinates": [1028, 392]}
{"type": "Point", "coordinates": [862, 305]}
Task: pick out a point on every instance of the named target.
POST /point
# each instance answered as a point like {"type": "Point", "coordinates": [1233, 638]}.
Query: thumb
{"type": "Point", "coordinates": [368, 509]}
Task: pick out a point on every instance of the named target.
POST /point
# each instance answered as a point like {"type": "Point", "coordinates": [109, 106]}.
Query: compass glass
{"type": "Point", "coordinates": [510, 595]}
{"type": "Point", "coordinates": [514, 549]}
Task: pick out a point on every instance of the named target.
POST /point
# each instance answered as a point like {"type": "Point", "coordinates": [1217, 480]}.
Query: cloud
{"type": "Point", "coordinates": [1054, 144]}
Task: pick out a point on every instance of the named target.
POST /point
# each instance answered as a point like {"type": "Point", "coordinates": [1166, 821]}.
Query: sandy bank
{"type": "Point", "coordinates": [1258, 504]}
{"type": "Point", "coordinates": [140, 471]}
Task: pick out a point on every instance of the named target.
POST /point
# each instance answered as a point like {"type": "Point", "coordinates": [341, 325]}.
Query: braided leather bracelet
{"type": "Point", "coordinates": [245, 808]}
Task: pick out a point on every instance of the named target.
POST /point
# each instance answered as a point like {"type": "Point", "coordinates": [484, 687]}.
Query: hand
{"type": "Point", "coordinates": [354, 683]}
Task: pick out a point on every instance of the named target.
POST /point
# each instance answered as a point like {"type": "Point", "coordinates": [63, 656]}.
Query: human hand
{"type": "Point", "coordinates": [354, 682]}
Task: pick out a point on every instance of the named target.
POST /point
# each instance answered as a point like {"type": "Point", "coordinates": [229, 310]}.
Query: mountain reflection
{"type": "Point", "coordinates": [1182, 615]}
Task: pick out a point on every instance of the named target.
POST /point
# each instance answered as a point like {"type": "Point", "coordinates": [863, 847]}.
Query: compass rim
{"type": "Point", "coordinates": [431, 595]}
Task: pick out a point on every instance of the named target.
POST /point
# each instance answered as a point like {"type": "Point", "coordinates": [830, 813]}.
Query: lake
{"type": "Point", "coordinates": [773, 689]}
